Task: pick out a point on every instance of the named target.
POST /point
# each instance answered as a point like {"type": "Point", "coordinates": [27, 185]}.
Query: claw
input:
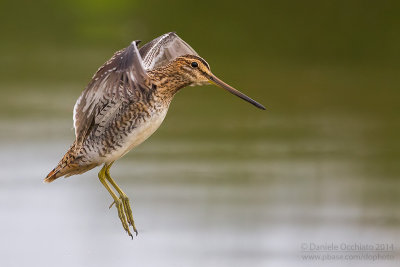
{"type": "Point", "coordinates": [130, 234]}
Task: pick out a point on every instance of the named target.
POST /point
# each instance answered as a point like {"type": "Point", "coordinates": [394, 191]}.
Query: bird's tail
{"type": "Point", "coordinates": [66, 166]}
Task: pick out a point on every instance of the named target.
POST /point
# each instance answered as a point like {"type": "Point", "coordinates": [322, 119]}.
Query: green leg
{"type": "Point", "coordinates": [123, 197]}
{"type": "Point", "coordinates": [118, 203]}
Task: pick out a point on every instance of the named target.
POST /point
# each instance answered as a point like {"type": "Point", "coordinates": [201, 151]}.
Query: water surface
{"type": "Point", "coordinates": [232, 189]}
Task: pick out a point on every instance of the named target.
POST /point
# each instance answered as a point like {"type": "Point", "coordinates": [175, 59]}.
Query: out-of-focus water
{"type": "Point", "coordinates": [239, 190]}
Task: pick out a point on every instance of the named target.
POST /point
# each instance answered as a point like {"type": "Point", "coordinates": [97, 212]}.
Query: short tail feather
{"type": "Point", "coordinates": [52, 175]}
{"type": "Point", "coordinates": [63, 168]}
{"type": "Point", "coordinates": [66, 166]}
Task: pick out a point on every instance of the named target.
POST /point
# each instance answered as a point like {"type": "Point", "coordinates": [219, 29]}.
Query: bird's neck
{"type": "Point", "coordinates": [168, 81]}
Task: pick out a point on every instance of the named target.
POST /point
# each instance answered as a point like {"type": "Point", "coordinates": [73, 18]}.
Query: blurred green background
{"type": "Point", "coordinates": [308, 55]}
{"type": "Point", "coordinates": [321, 164]}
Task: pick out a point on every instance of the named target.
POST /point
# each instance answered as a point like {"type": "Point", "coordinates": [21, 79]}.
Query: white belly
{"type": "Point", "coordinates": [138, 135]}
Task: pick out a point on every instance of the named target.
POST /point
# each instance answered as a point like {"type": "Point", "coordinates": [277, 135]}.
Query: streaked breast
{"type": "Point", "coordinates": [138, 135]}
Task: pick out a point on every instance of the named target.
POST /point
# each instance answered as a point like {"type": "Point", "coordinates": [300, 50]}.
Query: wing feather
{"type": "Point", "coordinates": [163, 50]}
{"type": "Point", "coordinates": [114, 83]}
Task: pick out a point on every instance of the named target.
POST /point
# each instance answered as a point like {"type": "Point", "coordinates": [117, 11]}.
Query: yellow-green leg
{"type": "Point", "coordinates": [123, 197]}
{"type": "Point", "coordinates": [118, 203]}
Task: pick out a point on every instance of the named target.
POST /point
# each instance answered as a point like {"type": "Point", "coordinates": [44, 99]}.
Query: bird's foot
{"type": "Point", "coordinates": [122, 216]}
{"type": "Point", "coordinates": [121, 202]}
{"type": "Point", "coordinates": [125, 213]}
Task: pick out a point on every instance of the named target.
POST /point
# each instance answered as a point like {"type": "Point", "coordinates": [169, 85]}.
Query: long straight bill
{"type": "Point", "coordinates": [232, 90]}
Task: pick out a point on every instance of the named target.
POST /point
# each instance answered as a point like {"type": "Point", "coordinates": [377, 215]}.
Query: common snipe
{"type": "Point", "coordinates": [125, 102]}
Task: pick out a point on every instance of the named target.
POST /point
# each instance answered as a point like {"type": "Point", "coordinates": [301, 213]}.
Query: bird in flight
{"type": "Point", "coordinates": [125, 102]}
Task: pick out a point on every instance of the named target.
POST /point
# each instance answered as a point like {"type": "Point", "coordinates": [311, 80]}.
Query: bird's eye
{"type": "Point", "coordinates": [194, 64]}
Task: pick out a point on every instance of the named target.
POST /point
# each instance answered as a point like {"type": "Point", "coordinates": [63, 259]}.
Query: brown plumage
{"type": "Point", "coordinates": [68, 166]}
{"type": "Point", "coordinates": [125, 102]}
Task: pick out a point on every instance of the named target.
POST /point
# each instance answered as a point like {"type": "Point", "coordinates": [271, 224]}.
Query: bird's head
{"type": "Point", "coordinates": [196, 71]}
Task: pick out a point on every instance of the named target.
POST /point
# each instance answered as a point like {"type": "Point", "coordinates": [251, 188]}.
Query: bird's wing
{"type": "Point", "coordinates": [163, 50]}
{"type": "Point", "coordinates": [120, 79]}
